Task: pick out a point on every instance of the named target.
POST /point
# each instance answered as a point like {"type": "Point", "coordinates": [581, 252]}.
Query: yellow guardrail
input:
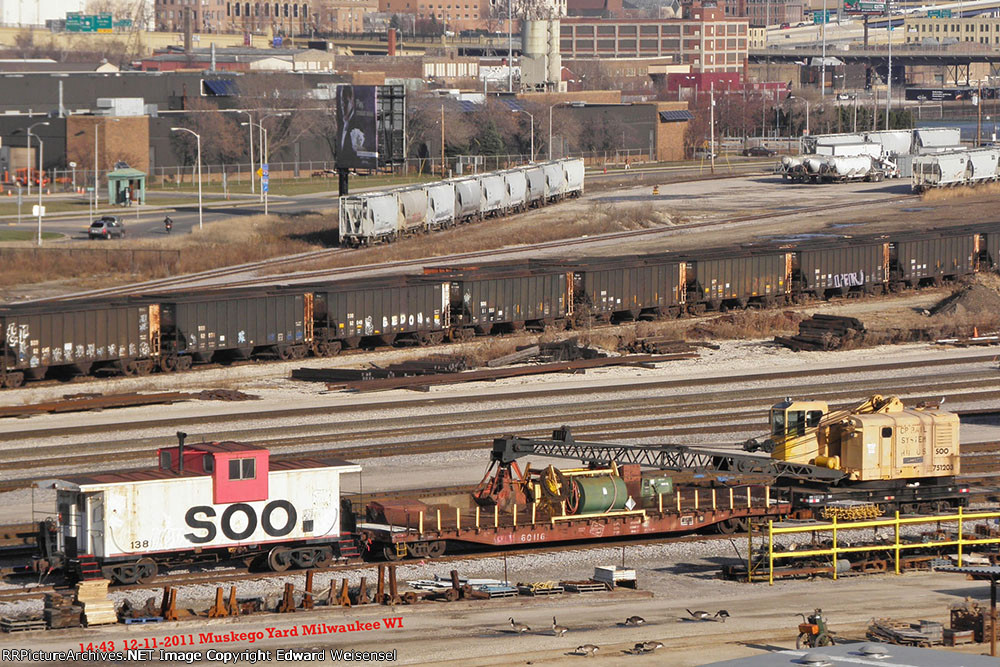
{"type": "Point", "coordinates": [897, 546]}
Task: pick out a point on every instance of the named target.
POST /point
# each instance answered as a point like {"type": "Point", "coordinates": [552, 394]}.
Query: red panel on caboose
{"type": "Point", "coordinates": [240, 475]}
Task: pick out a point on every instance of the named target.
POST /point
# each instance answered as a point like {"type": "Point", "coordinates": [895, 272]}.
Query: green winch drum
{"type": "Point", "coordinates": [600, 494]}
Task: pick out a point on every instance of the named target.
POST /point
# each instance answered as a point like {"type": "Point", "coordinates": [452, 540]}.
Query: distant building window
{"type": "Point", "coordinates": [295, 11]}
{"type": "Point", "coordinates": [242, 469]}
{"type": "Point", "coordinates": [305, 11]}
{"type": "Point", "coordinates": [237, 9]}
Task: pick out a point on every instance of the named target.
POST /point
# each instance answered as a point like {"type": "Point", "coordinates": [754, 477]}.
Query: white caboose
{"type": "Point", "coordinates": [206, 502]}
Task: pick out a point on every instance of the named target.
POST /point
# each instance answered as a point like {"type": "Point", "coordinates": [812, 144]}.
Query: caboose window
{"type": "Point", "coordinates": [242, 469]}
{"type": "Point", "coordinates": [165, 460]}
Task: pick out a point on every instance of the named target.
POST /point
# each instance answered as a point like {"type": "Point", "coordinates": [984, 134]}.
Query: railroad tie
{"type": "Point", "coordinates": [287, 604]}
{"type": "Point", "coordinates": [344, 599]}
{"type": "Point", "coordinates": [363, 592]}
{"type": "Point", "coordinates": [218, 610]}
{"type": "Point", "coordinates": [307, 595]}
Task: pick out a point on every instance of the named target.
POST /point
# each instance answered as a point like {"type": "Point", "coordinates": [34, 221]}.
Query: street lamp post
{"type": "Point", "coordinates": [41, 152]}
{"type": "Point", "coordinates": [263, 156]}
{"type": "Point", "coordinates": [201, 219]}
{"type": "Point", "coordinates": [250, 130]}
{"type": "Point", "coordinates": [28, 170]}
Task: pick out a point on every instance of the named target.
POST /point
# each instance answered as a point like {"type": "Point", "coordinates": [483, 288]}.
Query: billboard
{"type": "Point", "coordinates": [864, 7]}
{"type": "Point", "coordinates": [357, 138]}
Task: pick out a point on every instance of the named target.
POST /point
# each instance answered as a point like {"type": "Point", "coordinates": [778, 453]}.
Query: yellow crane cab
{"type": "Point", "coordinates": [792, 418]}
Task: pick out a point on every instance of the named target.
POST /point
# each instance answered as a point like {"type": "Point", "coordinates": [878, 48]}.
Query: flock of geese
{"type": "Point", "coordinates": [588, 650]}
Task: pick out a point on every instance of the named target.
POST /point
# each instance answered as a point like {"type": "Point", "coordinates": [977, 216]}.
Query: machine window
{"type": "Point", "coordinates": [242, 469]}
{"type": "Point", "coordinates": [886, 431]}
{"type": "Point", "coordinates": [777, 422]}
{"type": "Point", "coordinates": [813, 417]}
{"type": "Point", "coordinates": [797, 422]}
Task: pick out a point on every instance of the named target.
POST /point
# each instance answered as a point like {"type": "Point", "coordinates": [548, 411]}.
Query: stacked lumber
{"type": "Point", "coordinates": [894, 632]}
{"type": "Point", "coordinates": [667, 345]}
{"type": "Point", "coordinates": [92, 596]}
{"type": "Point", "coordinates": [567, 350]}
{"type": "Point", "coordinates": [60, 612]}
{"type": "Point", "coordinates": [824, 332]}
{"type": "Point", "coordinates": [434, 364]}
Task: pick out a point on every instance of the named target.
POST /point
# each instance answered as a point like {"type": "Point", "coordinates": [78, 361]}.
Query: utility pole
{"type": "Point", "coordinates": [711, 115]}
{"type": "Point", "coordinates": [822, 68]}
{"type": "Point", "coordinates": [979, 116]}
{"type": "Point", "coordinates": [888, 79]}
{"type": "Point", "coordinates": [444, 174]}
{"type": "Point", "coordinates": [510, 47]}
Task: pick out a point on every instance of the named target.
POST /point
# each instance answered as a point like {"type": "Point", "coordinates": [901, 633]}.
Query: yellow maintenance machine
{"type": "Point", "coordinates": [876, 440]}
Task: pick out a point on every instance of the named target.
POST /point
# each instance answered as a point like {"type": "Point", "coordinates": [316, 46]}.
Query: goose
{"type": "Point", "coordinates": [722, 615]}
{"type": "Point", "coordinates": [635, 620]}
{"type": "Point", "coordinates": [647, 647]}
{"type": "Point", "coordinates": [519, 628]}
{"type": "Point", "coordinates": [588, 649]}
{"type": "Point", "coordinates": [700, 615]}
{"type": "Point", "coordinates": [558, 630]}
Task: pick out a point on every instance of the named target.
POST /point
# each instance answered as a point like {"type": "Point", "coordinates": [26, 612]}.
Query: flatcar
{"type": "Point", "coordinates": [203, 503]}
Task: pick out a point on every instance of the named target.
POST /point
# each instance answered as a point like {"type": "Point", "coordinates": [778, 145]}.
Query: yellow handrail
{"type": "Point", "coordinates": [835, 527]}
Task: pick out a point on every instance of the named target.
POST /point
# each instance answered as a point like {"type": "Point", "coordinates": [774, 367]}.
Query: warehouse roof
{"type": "Point", "coordinates": [853, 655]}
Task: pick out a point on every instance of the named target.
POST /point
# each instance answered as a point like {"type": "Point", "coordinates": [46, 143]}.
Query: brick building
{"type": "Point", "coordinates": [983, 30]}
{"type": "Point", "coordinates": [455, 15]}
{"type": "Point", "coordinates": [774, 12]}
{"type": "Point", "coordinates": [209, 16]}
{"type": "Point", "coordinates": [708, 40]}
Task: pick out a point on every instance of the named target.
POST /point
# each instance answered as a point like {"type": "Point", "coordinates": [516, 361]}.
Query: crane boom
{"type": "Point", "coordinates": [508, 449]}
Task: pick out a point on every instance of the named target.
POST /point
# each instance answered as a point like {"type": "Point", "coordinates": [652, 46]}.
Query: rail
{"type": "Point", "coordinates": [896, 547]}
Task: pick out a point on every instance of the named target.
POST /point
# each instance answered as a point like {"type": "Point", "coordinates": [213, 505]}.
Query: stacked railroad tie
{"type": "Point", "coordinates": [92, 596]}
{"type": "Point", "coordinates": [60, 612]}
{"type": "Point", "coordinates": [924, 633]}
{"type": "Point", "coordinates": [825, 332]}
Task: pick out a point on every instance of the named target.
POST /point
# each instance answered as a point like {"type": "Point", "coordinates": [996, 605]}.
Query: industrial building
{"type": "Point", "coordinates": [708, 41]}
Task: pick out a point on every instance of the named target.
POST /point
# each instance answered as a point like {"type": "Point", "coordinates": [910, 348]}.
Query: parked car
{"type": "Point", "coordinates": [704, 154]}
{"type": "Point", "coordinates": [786, 26]}
{"type": "Point", "coordinates": [108, 227]}
{"type": "Point", "coordinates": [759, 151]}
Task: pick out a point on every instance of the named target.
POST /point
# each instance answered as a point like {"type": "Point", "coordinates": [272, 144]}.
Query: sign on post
{"type": "Point", "coordinates": [264, 177]}
{"type": "Point", "coordinates": [821, 17]}
{"type": "Point", "coordinates": [37, 210]}
{"type": "Point", "coordinates": [864, 7]}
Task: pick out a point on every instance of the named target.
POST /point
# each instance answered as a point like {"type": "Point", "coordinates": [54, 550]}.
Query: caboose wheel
{"type": "Point", "coordinates": [279, 559]}
{"type": "Point", "coordinates": [146, 570]}
{"type": "Point", "coordinates": [304, 558]}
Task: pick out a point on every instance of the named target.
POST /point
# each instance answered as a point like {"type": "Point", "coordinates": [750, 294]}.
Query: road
{"type": "Point", "coordinates": [143, 222]}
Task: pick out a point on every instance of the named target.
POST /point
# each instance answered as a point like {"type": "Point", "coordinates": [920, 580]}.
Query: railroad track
{"type": "Point", "coordinates": [170, 284]}
{"type": "Point", "coordinates": [663, 418]}
{"type": "Point", "coordinates": [337, 272]}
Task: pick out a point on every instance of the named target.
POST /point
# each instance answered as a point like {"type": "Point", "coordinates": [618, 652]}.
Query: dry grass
{"type": "Point", "coordinates": [948, 194]}
{"type": "Point", "coordinates": [747, 324]}
{"type": "Point", "coordinates": [223, 243]}
{"type": "Point", "coordinates": [550, 224]}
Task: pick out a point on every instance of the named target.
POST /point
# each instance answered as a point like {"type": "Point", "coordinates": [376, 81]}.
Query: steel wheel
{"type": "Point", "coordinates": [146, 570]}
{"type": "Point", "coordinates": [279, 559]}
{"type": "Point", "coordinates": [802, 640]}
